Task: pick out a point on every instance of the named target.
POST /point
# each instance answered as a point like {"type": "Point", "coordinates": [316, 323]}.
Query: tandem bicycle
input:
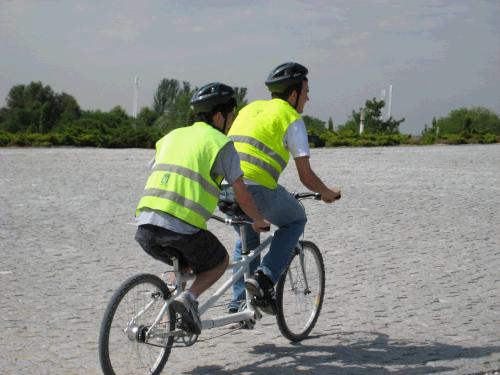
{"type": "Point", "coordinates": [139, 327]}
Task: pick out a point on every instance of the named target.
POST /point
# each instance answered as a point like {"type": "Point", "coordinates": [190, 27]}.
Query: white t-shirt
{"type": "Point", "coordinates": [296, 140]}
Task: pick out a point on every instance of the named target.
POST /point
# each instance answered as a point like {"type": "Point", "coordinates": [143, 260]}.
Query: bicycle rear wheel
{"type": "Point", "coordinates": [300, 291]}
{"type": "Point", "coordinates": [123, 345]}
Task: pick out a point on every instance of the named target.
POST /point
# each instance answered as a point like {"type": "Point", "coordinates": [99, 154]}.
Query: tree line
{"type": "Point", "coordinates": [35, 115]}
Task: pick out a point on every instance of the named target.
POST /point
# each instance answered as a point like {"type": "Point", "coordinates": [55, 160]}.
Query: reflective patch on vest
{"type": "Point", "coordinates": [260, 163]}
{"type": "Point", "coordinates": [186, 172]}
{"type": "Point", "coordinates": [177, 198]}
{"type": "Point", "coordinates": [165, 178]}
{"type": "Point", "coordinates": [260, 146]}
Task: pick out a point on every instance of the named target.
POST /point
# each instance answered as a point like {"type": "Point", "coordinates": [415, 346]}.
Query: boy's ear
{"type": "Point", "coordinates": [217, 117]}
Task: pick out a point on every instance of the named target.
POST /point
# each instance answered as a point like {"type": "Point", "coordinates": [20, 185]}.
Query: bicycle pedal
{"type": "Point", "coordinates": [258, 302]}
{"type": "Point", "coordinates": [185, 327]}
{"type": "Point", "coordinates": [247, 324]}
{"type": "Point", "coordinates": [185, 340]}
{"type": "Point", "coordinates": [263, 306]}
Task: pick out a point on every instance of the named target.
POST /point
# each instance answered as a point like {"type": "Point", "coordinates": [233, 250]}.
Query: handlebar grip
{"type": "Point", "coordinates": [316, 196]}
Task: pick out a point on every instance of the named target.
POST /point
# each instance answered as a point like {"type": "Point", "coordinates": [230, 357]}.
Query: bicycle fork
{"type": "Point", "coordinates": [300, 253]}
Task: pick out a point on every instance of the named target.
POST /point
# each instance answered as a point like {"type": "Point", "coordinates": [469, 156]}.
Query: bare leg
{"type": "Point", "coordinates": [206, 279]}
{"type": "Point", "coordinates": [171, 280]}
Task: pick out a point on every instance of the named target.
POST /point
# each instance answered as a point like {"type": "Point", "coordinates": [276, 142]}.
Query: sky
{"type": "Point", "coordinates": [438, 55]}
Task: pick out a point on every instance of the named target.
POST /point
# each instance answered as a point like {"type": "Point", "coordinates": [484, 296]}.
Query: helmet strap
{"type": "Point", "coordinates": [225, 125]}
{"type": "Point", "coordinates": [299, 91]}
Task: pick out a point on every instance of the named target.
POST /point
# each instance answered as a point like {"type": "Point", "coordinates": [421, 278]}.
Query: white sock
{"type": "Point", "coordinates": [191, 295]}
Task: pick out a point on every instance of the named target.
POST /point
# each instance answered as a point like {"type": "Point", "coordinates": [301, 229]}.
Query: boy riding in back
{"type": "Point", "coordinates": [182, 193]}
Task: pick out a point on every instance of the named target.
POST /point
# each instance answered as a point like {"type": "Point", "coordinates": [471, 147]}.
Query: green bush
{"type": "Point", "coordinates": [367, 139]}
{"type": "Point", "coordinates": [489, 138]}
{"type": "Point", "coordinates": [5, 139]}
{"type": "Point", "coordinates": [453, 139]}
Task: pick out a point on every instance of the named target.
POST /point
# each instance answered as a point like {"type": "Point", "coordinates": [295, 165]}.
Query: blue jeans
{"type": "Point", "coordinates": [280, 208]}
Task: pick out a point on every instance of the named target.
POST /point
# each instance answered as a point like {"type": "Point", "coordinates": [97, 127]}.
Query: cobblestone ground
{"type": "Point", "coordinates": [412, 253]}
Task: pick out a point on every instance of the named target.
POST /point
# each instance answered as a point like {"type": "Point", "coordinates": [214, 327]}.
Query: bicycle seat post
{"type": "Point", "coordinates": [243, 238]}
{"type": "Point", "coordinates": [177, 272]}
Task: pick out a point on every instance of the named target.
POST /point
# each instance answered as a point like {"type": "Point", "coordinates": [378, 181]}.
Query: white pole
{"type": "Point", "coordinates": [362, 121]}
{"type": "Point", "coordinates": [382, 97]}
{"type": "Point", "coordinates": [389, 109]}
{"type": "Point", "coordinates": [136, 97]}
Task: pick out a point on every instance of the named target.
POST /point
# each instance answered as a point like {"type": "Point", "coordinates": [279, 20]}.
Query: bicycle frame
{"type": "Point", "coordinates": [241, 267]}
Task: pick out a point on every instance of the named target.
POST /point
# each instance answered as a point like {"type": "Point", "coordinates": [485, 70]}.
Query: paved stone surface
{"type": "Point", "coordinates": [412, 255]}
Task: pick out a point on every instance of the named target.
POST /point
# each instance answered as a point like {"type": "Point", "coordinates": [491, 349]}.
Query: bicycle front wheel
{"type": "Point", "coordinates": [300, 291]}
{"type": "Point", "coordinates": [125, 345]}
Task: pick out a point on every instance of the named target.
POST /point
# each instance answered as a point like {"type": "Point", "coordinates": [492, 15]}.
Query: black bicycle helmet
{"type": "Point", "coordinates": [284, 76]}
{"type": "Point", "coordinates": [209, 96]}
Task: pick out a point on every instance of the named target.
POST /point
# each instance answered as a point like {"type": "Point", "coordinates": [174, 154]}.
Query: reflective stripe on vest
{"type": "Point", "coordinates": [262, 147]}
{"type": "Point", "coordinates": [181, 184]}
{"type": "Point", "coordinates": [258, 133]}
{"type": "Point", "coordinates": [260, 163]}
{"type": "Point", "coordinates": [177, 198]}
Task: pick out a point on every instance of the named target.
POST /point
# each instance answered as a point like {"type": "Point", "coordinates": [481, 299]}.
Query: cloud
{"type": "Point", "coordinates": [351, 40]}
{"type": "Point", "coordinates": [121, 28]}
{"type": "Point", "coordinates": [11, 16]}
{"type": "Point", "coordinates": [407, 23]}
{"type": "Point", "coordinates": [421, 18]}
{"type": "Point", "coordinates": [198, 29]}
{"type": "Point", "coordinates": [324, 7]}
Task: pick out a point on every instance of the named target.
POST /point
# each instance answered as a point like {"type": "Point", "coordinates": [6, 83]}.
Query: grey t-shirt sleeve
{"type": "Point", "coordinates": [227, 164]}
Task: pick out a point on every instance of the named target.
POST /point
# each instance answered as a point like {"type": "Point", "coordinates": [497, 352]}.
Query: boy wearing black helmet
{"type": "Point", "coordinates": [182, 193]}
{"type": "Point", "coordinates": [266, 133]}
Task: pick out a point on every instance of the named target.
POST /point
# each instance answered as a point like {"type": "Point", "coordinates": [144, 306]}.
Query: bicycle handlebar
{"type": "Point", "coordinates": [228, 221]}
{"type": "Point", "coordinates": [241, 221]}
{"type": "Point", "coordinates": [316, 196]}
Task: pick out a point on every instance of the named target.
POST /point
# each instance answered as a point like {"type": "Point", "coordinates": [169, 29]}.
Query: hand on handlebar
{"type": "Point", "coordinates": [330, 195]}
{"type": "Point", "coordinates": [261, 226]}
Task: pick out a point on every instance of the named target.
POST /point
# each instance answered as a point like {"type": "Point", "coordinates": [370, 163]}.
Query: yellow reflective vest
{"type": "Point", "coordinates": [258, 133]}
{"type": "Point", "coordinates": [181, 184]}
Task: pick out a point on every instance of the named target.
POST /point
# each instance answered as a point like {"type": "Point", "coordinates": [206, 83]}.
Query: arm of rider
{"type": "Point", "coordinates": [247, 204]}
{"type": "Point", "coordinates": [313, 182]}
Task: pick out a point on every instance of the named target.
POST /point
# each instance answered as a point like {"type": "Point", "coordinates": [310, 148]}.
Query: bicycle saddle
{"type": "Point", "coordinates": [229, 205]}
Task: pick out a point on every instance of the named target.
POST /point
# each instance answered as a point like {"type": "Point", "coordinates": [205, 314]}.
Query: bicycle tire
{"type": "Point", "coordinates": [298, 309]}
{"type": "Point", "coordinates": [120, 354]}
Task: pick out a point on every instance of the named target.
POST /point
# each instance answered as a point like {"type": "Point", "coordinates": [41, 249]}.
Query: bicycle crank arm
{"type": "Point", "coordinates": [228, 319]}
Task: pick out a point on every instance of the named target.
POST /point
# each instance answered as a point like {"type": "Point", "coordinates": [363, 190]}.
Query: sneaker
{"type": "Point", "coordinates": [262, 290]}
{"type": "Point", "coordinates": [232, 310]}
{"type": "Point", "coordinates": [187, 308]}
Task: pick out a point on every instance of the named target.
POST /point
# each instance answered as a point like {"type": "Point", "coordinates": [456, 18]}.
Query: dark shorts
{"type": "Point", "coordinates": [201, 251]}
